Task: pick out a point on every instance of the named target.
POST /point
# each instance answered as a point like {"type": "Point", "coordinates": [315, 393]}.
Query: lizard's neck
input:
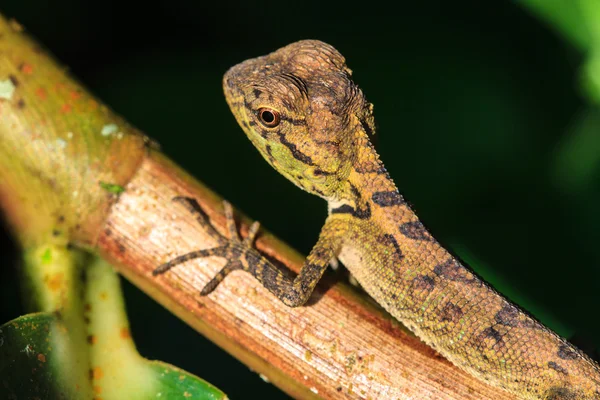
{"type": "Point", "coordinates": [368, 179]}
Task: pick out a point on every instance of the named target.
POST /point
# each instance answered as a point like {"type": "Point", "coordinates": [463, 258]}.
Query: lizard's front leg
{"type": "Point", "coordinates": [242, 255]}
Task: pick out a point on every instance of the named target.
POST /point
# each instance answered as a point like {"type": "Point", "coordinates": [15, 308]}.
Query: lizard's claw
{"type": "Point", "coordinates": [233, 249]}
{"type": "Point", "coordinates": [231, 265]}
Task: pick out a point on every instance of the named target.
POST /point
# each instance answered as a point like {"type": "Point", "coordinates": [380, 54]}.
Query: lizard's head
{"type": "Point", "coordinates": [300, 108]}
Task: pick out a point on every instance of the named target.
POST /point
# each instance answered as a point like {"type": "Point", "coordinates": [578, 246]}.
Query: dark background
{"type": "Point", "coordinates": [477, 106]}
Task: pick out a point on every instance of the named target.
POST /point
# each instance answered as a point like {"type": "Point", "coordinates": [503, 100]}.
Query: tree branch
{"type": "Point", "coordinates": [338, 346]}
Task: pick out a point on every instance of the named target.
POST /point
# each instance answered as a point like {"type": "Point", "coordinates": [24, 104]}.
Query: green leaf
{"type": "Point", "coordinates": [30, 368]}
{"type": "Point", "coordinates": [29, 355]}
{"type": "Point", "coordinates": [85, 348]}
{"type": "Point", "coordinates": [579, 21]}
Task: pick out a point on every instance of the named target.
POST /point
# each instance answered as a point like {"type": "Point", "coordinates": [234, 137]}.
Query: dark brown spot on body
{"type": "Point", "coordinates": [360, 213]}
{"type": "Point", "coordinates": [453, 271]}
{"type": "Point", "coordinates": [14, 80]}
{"type": "Point", "coordinates": [509, 315]}
{"type": "Point", "coordinates": [488, 339]}
{"type": "Point", "coordinates": [424, 283]}
{"type": "Point", "coordinates": [390, 241]}
{"type": "Point", "coordinates": [21, 104]}
{"type": "Point", "coordinates": [557, 367]}
{"type": "Point", "coordinates": [566, 352]}
{"type": "Point", "coordinates": [387, 199]}
{"type": "Point", "coordinates": [415, 230]}
{"type": "Point", "coordinates": [451, 312]}
{"type": "Point", "coordinates": [492, 333]}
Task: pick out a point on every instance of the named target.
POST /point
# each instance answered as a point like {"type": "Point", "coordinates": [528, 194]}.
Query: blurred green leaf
{"type": "Point", "coordinates": [29, 368]}
{"type": "Point", "coordinates": [29, 354]}
{"type": "Point", "coordinates": [577, 159]}
{"type": "Point", "coordinates": [566, 16]}
{"type": "Point", "coordinates": [67, 355]}
{"type": "Point", "coordinates": [579, 21]}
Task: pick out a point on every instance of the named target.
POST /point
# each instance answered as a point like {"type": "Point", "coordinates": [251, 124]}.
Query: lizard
{"type": "Point", "coordinates": [303, 112]}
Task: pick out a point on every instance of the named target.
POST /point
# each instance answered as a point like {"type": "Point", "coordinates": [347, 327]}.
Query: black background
{"type": "Point", "coordinates": [475, 103]}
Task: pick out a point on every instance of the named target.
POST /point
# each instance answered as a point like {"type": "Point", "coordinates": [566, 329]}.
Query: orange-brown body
{"type": "Point", "coordinates": [319, 139]}
{"type": "Point", "coordinates": [452, 310]}
{"type": "Point", "coordinates": [309, 120]}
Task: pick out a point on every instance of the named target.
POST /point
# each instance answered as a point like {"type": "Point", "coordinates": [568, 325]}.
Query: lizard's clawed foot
{"type": "Point", "coordinates": [233, 249]}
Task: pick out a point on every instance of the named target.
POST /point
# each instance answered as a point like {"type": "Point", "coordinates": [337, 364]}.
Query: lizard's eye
{"type": "Point", "coordinates": [268, 117]}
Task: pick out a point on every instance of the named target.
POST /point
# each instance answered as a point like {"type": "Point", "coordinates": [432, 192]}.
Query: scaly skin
{"type": "Point", "coordinates": [309, 120]}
